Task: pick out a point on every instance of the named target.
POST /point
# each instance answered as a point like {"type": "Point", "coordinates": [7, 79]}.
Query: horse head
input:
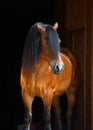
{"type": "Point", "coordinates": [50, 46]}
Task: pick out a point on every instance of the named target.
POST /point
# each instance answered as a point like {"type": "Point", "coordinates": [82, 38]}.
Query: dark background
{"type": "Point", "coordinates": [16, 17]}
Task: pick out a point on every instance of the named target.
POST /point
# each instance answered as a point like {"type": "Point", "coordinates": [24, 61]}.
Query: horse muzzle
{"type": "Point", "coordinates": [57, 68]}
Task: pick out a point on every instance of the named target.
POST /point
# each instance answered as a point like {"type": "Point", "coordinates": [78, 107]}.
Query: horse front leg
{"type": "Point", "coordinates": [27, 119]}
{"type": "Point", "coordinates": [47, 100]}
{"type": "Point", "coordinates": [27, 110]}
{"type": "Point", "coordinates": [47, 118]}
{"type": "Point", "coordinates": [57, 113]}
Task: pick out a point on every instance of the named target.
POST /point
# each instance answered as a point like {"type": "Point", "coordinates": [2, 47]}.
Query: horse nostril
{"type": "Point", "coordinates": [56, 67]}
{"type": "Point", "coordinates": [59, 67]}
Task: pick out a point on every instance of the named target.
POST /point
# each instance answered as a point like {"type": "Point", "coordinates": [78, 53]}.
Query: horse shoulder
{"type": "Point", "coordinates": [65, 77]}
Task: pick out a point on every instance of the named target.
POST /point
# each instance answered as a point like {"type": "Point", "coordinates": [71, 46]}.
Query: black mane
{"type": "Point", "coordinates": [32, 45]}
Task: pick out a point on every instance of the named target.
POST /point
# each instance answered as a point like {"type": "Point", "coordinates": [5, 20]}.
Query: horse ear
{"type": "Point", "coordinates": [41, 29]}
{"type": "Point", "coordinates": [55, 26]}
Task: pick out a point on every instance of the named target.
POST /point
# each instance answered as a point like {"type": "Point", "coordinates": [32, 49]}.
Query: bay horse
{"type": "Point", "coordinates": [46, 72]}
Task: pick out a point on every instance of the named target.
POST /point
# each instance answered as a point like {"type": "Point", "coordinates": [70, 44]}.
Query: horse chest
{"type": "Point", "coordinates": [44, 81]}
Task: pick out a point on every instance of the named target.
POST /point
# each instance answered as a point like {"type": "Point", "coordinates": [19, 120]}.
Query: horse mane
{"type": "Point", "coordinates": [32, 45]}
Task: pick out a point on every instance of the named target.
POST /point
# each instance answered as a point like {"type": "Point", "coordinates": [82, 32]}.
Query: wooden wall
{"type": "Point", "coordinates": [78, 29]}
{"type": "Point", "coordinates": [75, 14]}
